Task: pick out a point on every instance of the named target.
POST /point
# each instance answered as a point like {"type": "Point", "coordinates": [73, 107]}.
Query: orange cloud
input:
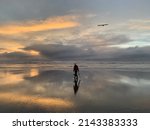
{"type": "Point", "coordinates": [10, 46]}
{"type": "Point", "coordinates": [35, 26]}
{"type": "Point", "coordinates": [30, 52]}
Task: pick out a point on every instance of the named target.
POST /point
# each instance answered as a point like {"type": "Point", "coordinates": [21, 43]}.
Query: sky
{"type": "Point", "coordinates": [60, 30]}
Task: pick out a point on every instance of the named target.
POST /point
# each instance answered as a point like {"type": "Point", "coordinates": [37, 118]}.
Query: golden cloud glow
{"type": "Point", "coordinates": [10, 46]}
{"type": "Point", "coordinates": [34, 53]}
{"type": "Point", "coordinates": [35, 26]}
{"type": "Point", "coordinates": [46, 103]}
{"type": "Point", "coordinates": [9, 79]}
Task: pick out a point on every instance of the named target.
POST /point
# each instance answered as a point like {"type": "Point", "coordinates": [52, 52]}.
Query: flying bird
{"type": "Point", "coordinates": [102, 25]}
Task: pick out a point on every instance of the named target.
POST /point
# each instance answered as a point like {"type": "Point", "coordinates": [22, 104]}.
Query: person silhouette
{"type": "Point", "coordinates": [76, 69]}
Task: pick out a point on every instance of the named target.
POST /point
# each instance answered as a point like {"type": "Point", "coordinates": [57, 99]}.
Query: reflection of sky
{"type": "Point", "coordinates": [134, 82]}
{"type": "Point", "coordinates": [7, 78]}
{"type": "Point", "coordinates": [34, 90]}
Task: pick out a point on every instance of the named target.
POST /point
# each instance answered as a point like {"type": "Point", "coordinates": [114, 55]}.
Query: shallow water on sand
{"type": "Point", "coordinates": [52, 89]}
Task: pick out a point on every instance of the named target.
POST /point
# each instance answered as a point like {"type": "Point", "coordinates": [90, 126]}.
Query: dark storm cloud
{"type": "Point", "coordinates": [15, 55]}
{"type": "Point", "coordinates": [85, 52]}
{"type": "Point", "coordinates": [71, 52]}
{"type": "Point", "coordinates": [136, 53]}
{"type": "Point", "coordinates": [18, 57]}
{"type": "Point", "coordinates": [62, 52]}
{"type": "Point", "coordinates": [126, 54]}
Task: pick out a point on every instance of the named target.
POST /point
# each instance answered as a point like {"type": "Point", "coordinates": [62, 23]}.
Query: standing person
{"type": "Point", "coordinates": [76, 69]}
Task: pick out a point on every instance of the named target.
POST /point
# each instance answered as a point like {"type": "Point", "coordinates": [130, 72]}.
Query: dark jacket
{"type": "Point", "coordinates": [75, 68]}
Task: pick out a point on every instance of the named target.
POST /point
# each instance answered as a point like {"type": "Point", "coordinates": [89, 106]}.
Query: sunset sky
{"type": "Point", "coordinates": [67, 29]}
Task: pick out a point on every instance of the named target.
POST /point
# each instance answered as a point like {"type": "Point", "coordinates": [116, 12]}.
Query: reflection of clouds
{"type": "Point", "coordinates": [52, 77]}
{"type": "Point", "coordinates": [39, 89]}
{"type": "Point", "coordinates": [34, 72]}
{"type": "Point", "coordinates": [10, 78]}
{"type": "Point", "coordinates": [133, 81]}
{"type": "Point", "coordinates": [106, 90]}
{"type": "Point", "coordinates": [54, 83]}
{"type": "Point", "coordinates": [44, 102]}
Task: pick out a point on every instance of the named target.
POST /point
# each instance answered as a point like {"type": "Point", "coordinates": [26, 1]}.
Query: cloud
{"type": "Point", "coordinates": [84, 52]}
{"type": "Point", "coordinates": [126, 54]}
{"type": "Point", "coordinates": [15, 55]}
{"type": "Point", "coordinates": [135, 54]}
{"type": "Point", "coordinates": [108, 40]}
{"type": "Point", "coordinates": [143, 25]}
{"type": "Point", "coordinates": [61, 22]}
{"type": "Point", "coordinates": [12, 49]}
{"type": "Point", "coordinates": [95, 36]}
{"type": "Point", "coordinates": [82, 43]}
{"type": "Point", "coordinates": [72, 52]}
{"type": "Point", "coordinates": [19, 57]}
{"type": "Point", "coordinates": [61, 52]}
{"type": "Point", "coordinates": [10, 46]}
{"type": "Point", "coordinates": [117, 39]}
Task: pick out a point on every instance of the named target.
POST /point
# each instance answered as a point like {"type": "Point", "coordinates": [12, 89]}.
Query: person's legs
{"type": "Point", "coordinates": [76, 76]}
{"type": "Point", "coordinates": [75, 73]}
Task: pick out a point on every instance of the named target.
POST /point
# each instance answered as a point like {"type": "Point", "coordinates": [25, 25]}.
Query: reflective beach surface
{"type": "Point", "coordinates": [53, 89]}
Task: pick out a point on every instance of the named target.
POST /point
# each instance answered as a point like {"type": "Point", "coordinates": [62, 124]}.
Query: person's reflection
{"type": "Point", "coordinates": [76, 86]}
